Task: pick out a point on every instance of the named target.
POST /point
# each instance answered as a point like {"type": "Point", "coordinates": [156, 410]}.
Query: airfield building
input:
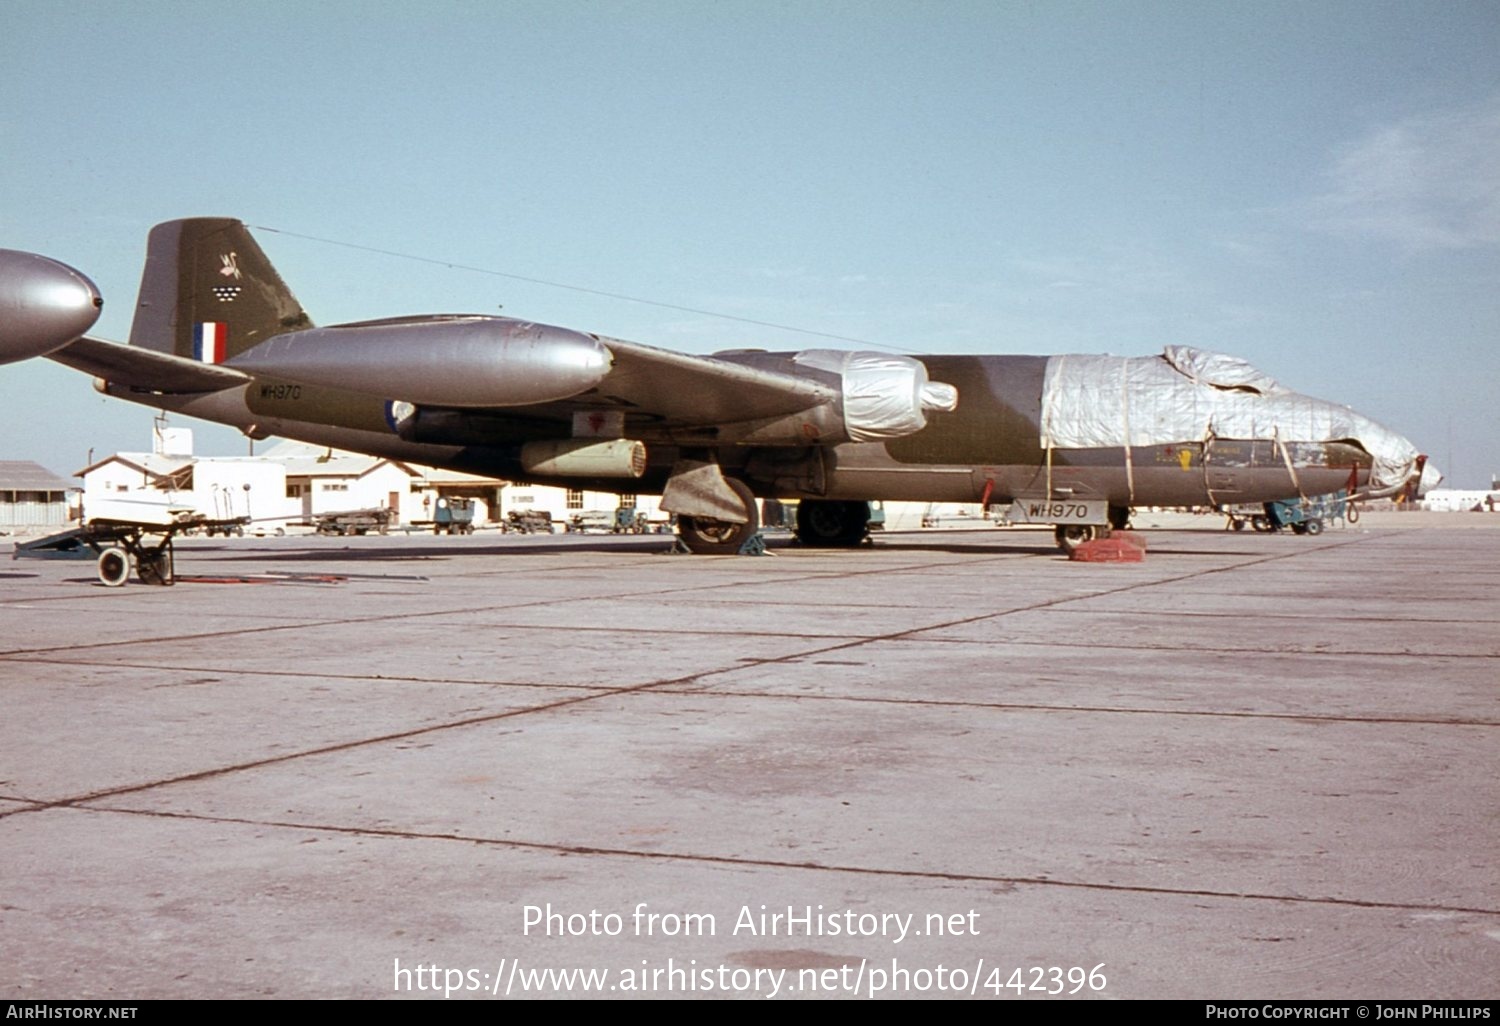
{"type": "Point", "coordinates": [31, 497]}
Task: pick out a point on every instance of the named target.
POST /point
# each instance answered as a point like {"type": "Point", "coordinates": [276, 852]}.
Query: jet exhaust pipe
{"type": "Point", "coordinates": [44, 305]}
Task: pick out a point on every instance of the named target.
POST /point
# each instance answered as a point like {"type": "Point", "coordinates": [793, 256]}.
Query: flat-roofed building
{"type": "Point", "coordinates": [32, 496]}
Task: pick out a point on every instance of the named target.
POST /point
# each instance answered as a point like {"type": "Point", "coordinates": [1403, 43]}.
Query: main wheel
{"type": "Point", "coordinates": [1260, 522]}
{"type": "Point", "coordinates": [707, 536]}
{"type": "Point", "coordinates": [114, 566]}
{"type": "Point", "coordinates": [823, 523]}
{"type": "Point", "coordinates": [1070, 536]}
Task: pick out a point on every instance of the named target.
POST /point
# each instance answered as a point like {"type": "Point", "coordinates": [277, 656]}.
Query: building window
{"type": "Point", "coordinates": [335, 486]}
{"type": "Point", "coordinates": [627, 502]}
{"type": "Point", "coordinates": [294, 491]}
{"type": "Point", "coordinates": [575, 499]}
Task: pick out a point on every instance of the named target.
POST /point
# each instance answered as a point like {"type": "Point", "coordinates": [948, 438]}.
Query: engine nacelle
{"type": "Point", "coordinates": [445, 361]}
{"type": "Point", "coordinates": [585, 457]}
{"type": "Point", "coordinates": [881, 396]}
{"type": "Point", "coordinates": [885, 396]}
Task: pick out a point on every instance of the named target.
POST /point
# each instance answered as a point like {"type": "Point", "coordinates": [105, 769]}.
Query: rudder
{"type": "Point", "coordinates": [208, 292]}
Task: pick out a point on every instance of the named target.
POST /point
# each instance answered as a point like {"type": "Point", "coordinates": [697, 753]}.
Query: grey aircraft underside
{"type": "Point", "coordinates": [1076, 439]}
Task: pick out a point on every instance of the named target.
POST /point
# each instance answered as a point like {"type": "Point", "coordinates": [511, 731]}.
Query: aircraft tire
{"type": "Point", "coordinates": [114, 567]}
{"type": "Point", "coordinates": [1070, 536]}
{"type": "Point", "coordinates": [706, 536]}
{"type": "Point", "coordinates": [828, 524]}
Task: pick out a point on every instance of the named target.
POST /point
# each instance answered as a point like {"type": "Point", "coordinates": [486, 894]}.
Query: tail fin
{"type": "Point", "coordinates": [208, 292]}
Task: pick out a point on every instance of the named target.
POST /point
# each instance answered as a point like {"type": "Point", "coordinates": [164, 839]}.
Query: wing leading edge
{"type": "Point", "coordinates": [704, 390]}
{"type": "Point", "coordinates": [143, 370]}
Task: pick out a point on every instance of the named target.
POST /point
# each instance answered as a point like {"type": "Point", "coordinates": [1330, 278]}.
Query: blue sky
{"type": "Point", "coordinates": [1313, 186]}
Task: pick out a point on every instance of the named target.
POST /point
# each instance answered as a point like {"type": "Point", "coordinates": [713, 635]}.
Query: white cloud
{"type": "Point", "coordinates": [1117, 269]}
{"type": "Point", "coordinates": [1426, 182]}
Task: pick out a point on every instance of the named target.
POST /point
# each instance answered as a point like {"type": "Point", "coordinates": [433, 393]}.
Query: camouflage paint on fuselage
{"type": "Point", "coordinates": [998, 418]}
{"type": "Point", "coordinates": [988, 448]}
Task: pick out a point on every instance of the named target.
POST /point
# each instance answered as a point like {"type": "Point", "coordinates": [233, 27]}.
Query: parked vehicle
{"type": "Point", "coordinates": [1306, 516]}
{"type": "Point", "coordinates": [453, 516]}
{"type": "Point", "coordinates": [355, 521]}
{"type": "Point", "coordinates": [531, 521]}
{"type": "Point", "coordinates": [592, 521]}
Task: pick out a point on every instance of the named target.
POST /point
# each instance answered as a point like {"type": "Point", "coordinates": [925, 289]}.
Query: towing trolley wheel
{"type": "Point", "coordinates": [114, 566]}
{"type": "Point", "coordinates": [154, 567]}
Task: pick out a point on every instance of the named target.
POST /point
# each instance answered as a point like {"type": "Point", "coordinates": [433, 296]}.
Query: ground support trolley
{"type": "Point", "coordinates": [1307, 516]}
{"type": "Point", "coordinates": [147, 547]}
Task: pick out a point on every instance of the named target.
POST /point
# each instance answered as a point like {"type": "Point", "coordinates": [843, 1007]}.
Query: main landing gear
{"type": "Point", "coordinates": [821, 523]}
{"type": "Point", "coordinates": [708, 536]}
{"type": "Point", "coordinates": [1070, 536]}
{"type": "Point", "coordinates": [824, 523]}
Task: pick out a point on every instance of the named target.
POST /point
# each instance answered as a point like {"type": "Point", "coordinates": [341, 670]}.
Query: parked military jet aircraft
{"type": "Point", "coordinates": [44, 305]}
{"type": "Point", "coordinates": [1073, 441]}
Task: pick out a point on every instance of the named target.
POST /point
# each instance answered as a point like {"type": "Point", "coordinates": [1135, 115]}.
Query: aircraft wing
{"type": "Point", "coordinates": [700, 390]}
{"type": "Point", "coordinates": [506, 367]}
{"type": "Point", "coordinates": [498, 374]}
{"type": "Point", "coordinates": [144, 369]}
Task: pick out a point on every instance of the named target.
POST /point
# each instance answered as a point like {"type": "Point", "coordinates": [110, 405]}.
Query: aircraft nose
{"type": "Point", "coordinates": [44, 305]}
{"type": "Point", "coordinates": [1429, 479]}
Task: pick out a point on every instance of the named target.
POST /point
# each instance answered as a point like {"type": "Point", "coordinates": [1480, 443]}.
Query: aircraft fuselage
{"type": "Point", "coordinates": [986, 450]}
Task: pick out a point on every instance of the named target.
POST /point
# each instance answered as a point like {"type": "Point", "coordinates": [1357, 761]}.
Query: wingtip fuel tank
{"type": "Point", "coordinates": [44, 305]}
